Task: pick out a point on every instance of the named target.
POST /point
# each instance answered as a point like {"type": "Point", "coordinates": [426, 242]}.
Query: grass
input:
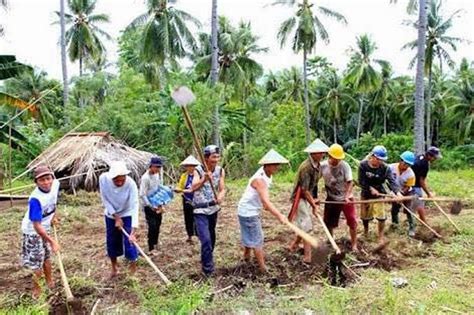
{"type": "Point", "coordinates": [440, 275]}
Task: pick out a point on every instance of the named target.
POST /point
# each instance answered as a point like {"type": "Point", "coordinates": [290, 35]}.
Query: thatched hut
{"type": "Point", "coordinates": [84, 156]}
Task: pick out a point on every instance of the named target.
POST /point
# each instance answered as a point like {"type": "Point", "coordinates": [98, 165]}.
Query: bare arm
{"type": "Point", "coordinates": [44, 235]}
{"type": "Point", "coordinates": [198, 181]}
{"type": "Point", "coordinates": [262, 191]}
{"type": "Point", "coordinates": [349, 187]}
{"type": "Point", "coordinates": [424, 185]}
{"type": "Point", "coordinates": [221, 189]}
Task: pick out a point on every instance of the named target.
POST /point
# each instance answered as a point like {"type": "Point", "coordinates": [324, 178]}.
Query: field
{"type": "Point", "coordinates": [439, 272]}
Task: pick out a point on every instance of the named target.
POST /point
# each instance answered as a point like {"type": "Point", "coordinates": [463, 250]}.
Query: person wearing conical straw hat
{"type": "Point", "coordinates": [306, 186]}
{"type": "Point", "coordinates": [337, 175]}
{"type": "Point", "coordinates": [254, 199]}
{"type": "Point", "coordinates": [184, 186]}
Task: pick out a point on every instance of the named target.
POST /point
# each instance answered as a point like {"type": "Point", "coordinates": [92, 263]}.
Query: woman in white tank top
{"type": "Point", "coordinates": [256, 197]}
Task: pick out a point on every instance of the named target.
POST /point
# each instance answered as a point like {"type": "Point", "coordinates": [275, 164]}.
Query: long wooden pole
{"type": "Point", "coordinates": [67, 288]}
{"type": "Point", "coordinates": [305, 236]}
{"type": "Point", "coordinates": [197, 145]}
{"type": "Point", "coordinates": [421, 221]}
{"type": "Point", "coordinates": [148, 260]}
{"type": "Point", "coordinates": [447, 216]}
{"type": "Point", "coordinates": [328, 234]}
{"type": "Point", "coordinates": [32, 185]}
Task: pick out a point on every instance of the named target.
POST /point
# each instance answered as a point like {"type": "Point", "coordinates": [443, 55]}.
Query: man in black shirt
{"type": "Point", "coordinates": [421, 169]}
{"type": "Point", "coordinates": [373, 173]}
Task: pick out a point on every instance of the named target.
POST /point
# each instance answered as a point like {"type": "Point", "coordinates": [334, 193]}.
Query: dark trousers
{"type": "Point", "coordinates": [396, 209]}
{"type": "Point", "coordinates": [153, 220]}
{"type": "Point", "coordinates": [206, 231]}
{"type": "Point", "coordinates": [189, 218]}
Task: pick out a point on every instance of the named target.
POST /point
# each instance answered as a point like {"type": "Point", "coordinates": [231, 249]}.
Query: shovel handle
{"type": "Point", "coordinates": [305, 236]}
{"type": "Point", "coordinates": [328, 234]}
{"type": "Point", "coordinates": [421, 221]}
{"type": "Point", "coordinates": [446, 215]}
{"type": "Point", "coordinates": [67, 288]}
{"type": "Point", "coordinates": [148, 260]}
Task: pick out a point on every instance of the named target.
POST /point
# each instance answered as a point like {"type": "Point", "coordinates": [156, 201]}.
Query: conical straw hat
{"type": "Point", "coordinates": [272, 157]}
{"type": "Point", "coordinates": [190, 160]}
{"type": "Point", "coordinates": [316, 147]}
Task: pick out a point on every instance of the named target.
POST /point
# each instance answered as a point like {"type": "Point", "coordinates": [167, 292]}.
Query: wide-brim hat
{"type": "Point", "coordinates": [117, 168]}
{"type": "Point", "coordinates": [191, 161]}
{"type": "Point", "coordinates": [273, 157]}
{"type": "Point", "coordinates": [317, 147]}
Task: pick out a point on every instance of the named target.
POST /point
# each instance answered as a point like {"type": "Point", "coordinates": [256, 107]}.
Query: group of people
{"type": "Point", "coordinates": [203, 190]}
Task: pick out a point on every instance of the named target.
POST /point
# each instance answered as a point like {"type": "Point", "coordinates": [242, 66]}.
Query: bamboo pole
{"type": "Point", "coordinates": [10, 160]}
{"type": "Point", "coordinates": [67, 288]}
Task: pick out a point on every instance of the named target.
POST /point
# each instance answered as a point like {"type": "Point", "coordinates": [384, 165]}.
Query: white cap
{"type": "Point", "coordinates": [190, 160]}
{"type": "Point", "coordinates": [272, 157]}
{"type": "Point", "coordinates": [316, 147]}
{"type": "Point", "coordinates": [117, 168]}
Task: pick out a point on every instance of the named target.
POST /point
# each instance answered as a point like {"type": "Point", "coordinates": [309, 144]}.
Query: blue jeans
{"type": "Point", "coordinates": [206, 231]}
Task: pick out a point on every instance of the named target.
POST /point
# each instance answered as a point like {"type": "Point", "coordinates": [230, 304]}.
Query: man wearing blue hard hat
{"type": "Point", "coordinates": [373, 173]}
{"type": "Point", "coordinates": [405, 178]}
{"type": "Point", "coordinates": [421, 168]}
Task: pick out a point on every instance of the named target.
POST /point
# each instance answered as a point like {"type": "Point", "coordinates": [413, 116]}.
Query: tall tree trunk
{"type": "Point", "coordinates": [384, 121]}
{"type": "Point", "coordinates": [334, 130]}
{"type": "Point", "coordinates": [359, 118]}
{"type": "Point", "coordinates": [80, 66]}
{"type": "Point", "coordinates": [306, 99]}
{"type": "Point", "coordinates": [428, 108]}
{"type": "Point", "coordinates": [215, 70]}
{"type": "Point", "coordinates": [63, 51]}
{"type": "Point", "coordinates": [419, 82]}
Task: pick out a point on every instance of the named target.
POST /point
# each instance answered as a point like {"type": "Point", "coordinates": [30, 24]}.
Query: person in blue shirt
{"type": "Point", "coordinates": [37, 244]}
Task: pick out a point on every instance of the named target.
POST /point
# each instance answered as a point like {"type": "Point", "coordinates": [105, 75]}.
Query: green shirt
{"type": "Point", "coordinates": [307, 178]}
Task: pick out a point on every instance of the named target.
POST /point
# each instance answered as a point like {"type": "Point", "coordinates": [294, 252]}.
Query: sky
{"type": "Point", "coordinates": [33, 38]}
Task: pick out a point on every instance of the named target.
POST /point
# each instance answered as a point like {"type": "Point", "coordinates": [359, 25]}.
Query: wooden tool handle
{"type": "Point", "coordinates": [148, 260]}
{"type": "Point", "coordinates": [67, 289]}
{"type": "Point", "coordinates": [421, 221]}
{"type": "Point", "coordinates": [328, 234]}
{"type": "Point", "coordinates": [197, 145]}
{"type": "Point", "coordinates": [305, 236]}
{"type": "Point", "coordinates": [446, 215]}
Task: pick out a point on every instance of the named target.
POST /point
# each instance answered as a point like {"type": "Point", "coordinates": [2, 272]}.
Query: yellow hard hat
{"type": "Point", "coordinates": [336, 151]}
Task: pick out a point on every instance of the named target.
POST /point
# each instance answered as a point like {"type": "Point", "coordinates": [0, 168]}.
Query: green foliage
{"type": "Point", "coordinates": [456, 158]}
{"type": "Point", "coordinates": [394, 143]}
{"type": "Point", "coordinates": [178, 298]}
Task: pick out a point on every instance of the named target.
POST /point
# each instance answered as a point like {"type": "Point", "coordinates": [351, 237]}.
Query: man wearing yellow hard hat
{"type": "Point", "coordinates": [337, 175]}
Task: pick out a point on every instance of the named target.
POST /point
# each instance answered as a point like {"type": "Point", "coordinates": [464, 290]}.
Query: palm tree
{"type": "Point", "coordinates": [83, 35]}
{"type": "Point", "coordinates": [419, 81]}
{"type": "Point", "coordinates": [438, 44]}
{"type": "Point", "coordinates": [287, 86]}
{"type": "Point", "coordinates": [333, 94]}
{"type": "Point", "coordinates": [461, 114]}
{"type": "Point", "coordinates": [308, 29]}
{"type": "Point", "coordinates": [385, 90]}
{"type": "Point", "coordinates": [62, 25]}
{"type": "Point", "coordinates": [215, 68]}
{"type": "Point", "coordinates": [166, 35]}
{"type": "Point", "coordinates": [236, 65]}
{"type": "Point", "coordinates": [361, 73]}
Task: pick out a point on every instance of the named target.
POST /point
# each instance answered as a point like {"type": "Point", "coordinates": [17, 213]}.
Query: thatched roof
{"type": "Point", "coordinates": [90, 154]}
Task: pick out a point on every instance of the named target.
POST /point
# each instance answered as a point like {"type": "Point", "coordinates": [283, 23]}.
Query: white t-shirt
{"type": "Point", "coordinates": [48, 208]}
{"type": "Point", "coordinates": [250, 203]}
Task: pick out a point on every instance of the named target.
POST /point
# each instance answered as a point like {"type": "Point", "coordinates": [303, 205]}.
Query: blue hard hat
{"type": "Point", "coordinates": [380, 152]}
{"type": "Point", "coordinates": [408, 157]}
